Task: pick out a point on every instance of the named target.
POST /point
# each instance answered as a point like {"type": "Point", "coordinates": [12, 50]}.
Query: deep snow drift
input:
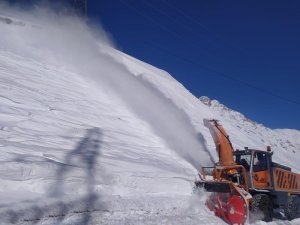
{"type": "Point", "coordinates": [90, 135]}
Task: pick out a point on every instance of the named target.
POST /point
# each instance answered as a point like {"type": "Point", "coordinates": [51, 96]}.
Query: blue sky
{"type": "Point", "coordinates": [245, 54]}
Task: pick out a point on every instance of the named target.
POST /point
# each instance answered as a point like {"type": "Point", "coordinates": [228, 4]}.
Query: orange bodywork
{"type": "Point", "coordinates": [286, 181]}
{"type": "Point", "coordinates": [222, 142]}
{"type": "Point", "coordinates": [261, 179]}
{"type": "Point", "coordinates": [230, 197]}
{"type": "Point", "coordinates": [226, 166]}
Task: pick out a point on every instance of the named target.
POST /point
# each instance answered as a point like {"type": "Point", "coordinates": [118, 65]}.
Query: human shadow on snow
{"type": "Point", "coordinates": [84, 156]}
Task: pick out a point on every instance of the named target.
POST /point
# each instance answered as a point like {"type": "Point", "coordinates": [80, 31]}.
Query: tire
{"type": "Point", "coordinates": [262, 205]}
{"type": "Point", "coordinates": [292, 208]}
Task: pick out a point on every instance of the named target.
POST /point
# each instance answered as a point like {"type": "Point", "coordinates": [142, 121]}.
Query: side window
{"type": "Point", "coordinates": [243, 160]}
{"type": "Point", "coordinates": [260, 162]}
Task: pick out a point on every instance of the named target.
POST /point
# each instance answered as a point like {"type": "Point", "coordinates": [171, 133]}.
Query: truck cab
{"type": "Point", "coordinates": [258, 165]}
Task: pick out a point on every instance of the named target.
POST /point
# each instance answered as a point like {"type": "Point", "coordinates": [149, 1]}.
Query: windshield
{"type": "Point", "coordinates": [243, 160]}
{"type": "Point", "coordinates": [260, 162]}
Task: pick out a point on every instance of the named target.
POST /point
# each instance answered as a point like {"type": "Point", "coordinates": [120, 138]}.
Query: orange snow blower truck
{"type": "Point", "coordinates": [247, 182]}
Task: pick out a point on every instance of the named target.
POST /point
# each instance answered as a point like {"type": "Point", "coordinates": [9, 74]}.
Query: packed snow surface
{"type": "Point", "coordinates": [90, 135]}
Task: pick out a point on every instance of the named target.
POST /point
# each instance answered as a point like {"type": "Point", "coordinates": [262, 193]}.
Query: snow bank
{"type": "Point", "coordinates": [71, 41]}
{"type": "Point", "coordinates": [78, 126]}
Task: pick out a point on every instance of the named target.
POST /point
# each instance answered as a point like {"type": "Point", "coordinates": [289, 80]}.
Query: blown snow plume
{"type": "Point", "coordinates": [70, 42]}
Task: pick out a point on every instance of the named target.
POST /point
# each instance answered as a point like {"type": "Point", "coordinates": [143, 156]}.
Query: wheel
{"type": "Point", "coordinates": [292, 208]}
{"type": "Point", "coordinates": [236, 210]}
{"type": "Point", "coordinates": [262, 205]}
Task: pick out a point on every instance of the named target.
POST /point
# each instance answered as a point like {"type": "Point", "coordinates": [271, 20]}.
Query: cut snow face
{"type": "Point", "coordinates": [78, 127]}
{"type": "Point", "coordinates": [71, 41]}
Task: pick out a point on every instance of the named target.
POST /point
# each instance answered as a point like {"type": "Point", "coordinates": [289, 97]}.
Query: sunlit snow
{"type": "Point", "coordinates": [90, 135]}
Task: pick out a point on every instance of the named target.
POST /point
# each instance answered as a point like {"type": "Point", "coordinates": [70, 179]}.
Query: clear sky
{"type": "Point", "coordinates": [246, 54]}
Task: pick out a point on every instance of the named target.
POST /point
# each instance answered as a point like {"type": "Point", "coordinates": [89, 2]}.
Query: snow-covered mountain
{"type": "Point", "coordinates": [90, 135]}
{"type": "Point", "coordinates": [247, 133]}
